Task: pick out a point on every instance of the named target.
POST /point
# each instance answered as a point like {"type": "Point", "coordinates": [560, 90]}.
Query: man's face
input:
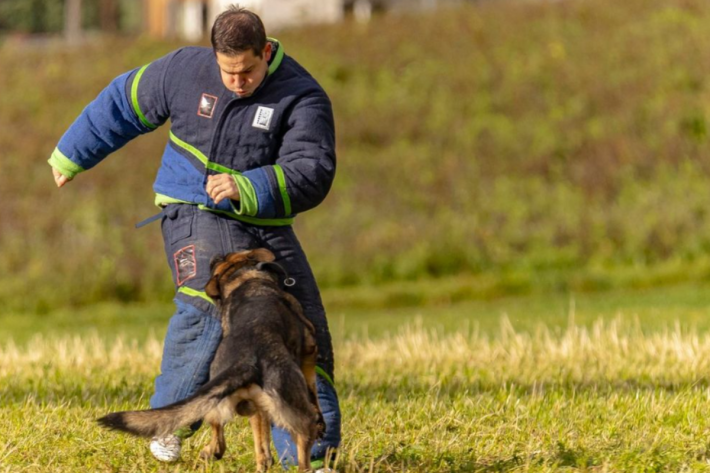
{"type": "Point", "coordinates": [243, 73]}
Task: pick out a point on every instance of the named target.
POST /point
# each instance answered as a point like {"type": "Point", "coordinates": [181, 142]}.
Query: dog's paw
{"type": "Point", "coordinates": [264, 464]}
{"type": "Point", "coordinates": [208, 454]}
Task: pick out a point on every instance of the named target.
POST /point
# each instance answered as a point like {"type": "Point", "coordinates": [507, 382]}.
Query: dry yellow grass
{"type": "Point", "coordinates": [606, 398]}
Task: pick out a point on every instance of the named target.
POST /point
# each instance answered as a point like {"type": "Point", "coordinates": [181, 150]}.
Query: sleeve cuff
{"type": "Point", "coordinates": [64, 165]}
{"type": "Point", "coordinates": [248, 204]}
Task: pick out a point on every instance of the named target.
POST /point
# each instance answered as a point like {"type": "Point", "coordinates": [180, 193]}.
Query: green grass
{"type": "Point", "coordinates": [593, 382]}
{"type": "Point", "coordinates": [350, 316]}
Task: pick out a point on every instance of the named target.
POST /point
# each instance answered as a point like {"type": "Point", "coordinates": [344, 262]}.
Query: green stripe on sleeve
{"type": "Point", "coordinates": [134, 98]}
{"type": "Point", "coordinates": [195, 293]}
{"type": "Point", "coordinates": [248, 202]}
{"type": "Point", "coordinates": [188, 147]}
{"type": "Point", "coordinates": [281, 178]}
{"type": "Point", "coordinates": [220, 168]}
{"type": "Point", "coordinates": [66, 166]}
{"type": "Point", "coordinates": [324, 375]}
{"type": "Point", "coordinates": [201, 156]}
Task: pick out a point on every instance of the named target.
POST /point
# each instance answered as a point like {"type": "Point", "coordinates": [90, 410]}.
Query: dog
{"type": "Point", "coordinates": [264, 367]}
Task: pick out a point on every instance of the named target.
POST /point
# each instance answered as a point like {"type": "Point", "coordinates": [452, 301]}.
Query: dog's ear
{"type": "Point", "coordinates": [261, 254]}
{"type": "Point", "coordinates": [212, 288]}
{"type": "Point", "coordinates": [273, 268]}
{"type": "Point", "coordinates": [215, 261]}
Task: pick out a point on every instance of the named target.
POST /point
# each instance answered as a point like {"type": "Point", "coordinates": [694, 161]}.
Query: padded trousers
{"type": "Point", "coordinates": [192, 237]}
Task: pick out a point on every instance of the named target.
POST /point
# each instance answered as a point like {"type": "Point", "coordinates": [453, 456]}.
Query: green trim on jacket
{"type": "Point", "coordinates": [64, 165]}
{"type": "Point", "coordinates": [134, 99]}
{"type": "Point", "coordinates": [195, 293]}
{"type": "Point", "coordinates": [248, 204]}
{"type": "Point", "coordinates": [162, 200]}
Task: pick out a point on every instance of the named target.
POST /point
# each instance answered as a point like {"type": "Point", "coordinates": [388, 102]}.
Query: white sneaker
{"type": "Point", "coordinates": [166, 449]}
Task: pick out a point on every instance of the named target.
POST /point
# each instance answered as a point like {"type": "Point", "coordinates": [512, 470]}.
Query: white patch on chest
{"type": "Point", "coordinates": [262, 118]}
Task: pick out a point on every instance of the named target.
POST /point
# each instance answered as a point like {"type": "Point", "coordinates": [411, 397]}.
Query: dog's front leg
{"type": "Point", "coordinates": [217, 446]}
{"type": "Point", "coordinates": [304, 445]}
{"type": "Point", "coordinates": [308, 367]}
{"type": "Point", "coordinates": [262, 441]}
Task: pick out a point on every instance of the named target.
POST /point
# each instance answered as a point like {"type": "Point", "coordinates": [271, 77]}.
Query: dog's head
{"type": "Point", "coordinates": [230, 271]}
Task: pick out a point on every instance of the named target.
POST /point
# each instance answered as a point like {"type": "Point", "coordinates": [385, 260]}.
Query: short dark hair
{"type": "Point", "coordinates": [237, 30]}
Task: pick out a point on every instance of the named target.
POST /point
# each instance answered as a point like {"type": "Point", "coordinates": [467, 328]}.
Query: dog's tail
{"type": "Point", "coordinates": [166, 420]}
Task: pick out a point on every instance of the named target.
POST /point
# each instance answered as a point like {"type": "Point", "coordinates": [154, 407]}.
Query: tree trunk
{"type": "Point", "coordinates": [108, 15]}
{"type": "Point", "coordinates": [72, 21]}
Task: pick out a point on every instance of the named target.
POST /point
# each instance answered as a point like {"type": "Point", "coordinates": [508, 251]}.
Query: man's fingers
{"type": "Point", "coordinates": [220, 187]}
{"type": "Point", "coordinates": [213, 190]}
{"type": "Point", "coordinates": [221, 195]}
{"type": "Point", "coordinates": [213, 181]}
{"type": "Point", "coordinates": [59, 178]}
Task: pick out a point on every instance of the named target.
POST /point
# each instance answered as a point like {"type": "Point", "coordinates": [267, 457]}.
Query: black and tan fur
{"type": "Point", "coordinates": [264, 367]}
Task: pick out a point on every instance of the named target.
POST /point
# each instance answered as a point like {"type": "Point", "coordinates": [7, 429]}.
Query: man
{"type": "Point", "coordinates": [252, 144]}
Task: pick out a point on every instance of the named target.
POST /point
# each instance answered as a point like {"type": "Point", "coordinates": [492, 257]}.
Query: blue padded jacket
{"type": "Point", "coordinates": [278, 144]}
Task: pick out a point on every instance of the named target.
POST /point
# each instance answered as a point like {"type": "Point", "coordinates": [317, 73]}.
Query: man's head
{"type": "Point", "coordinates": [242, 51]}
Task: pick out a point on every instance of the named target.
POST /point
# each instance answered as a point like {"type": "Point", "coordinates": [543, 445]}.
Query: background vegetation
{"type": "Point", "coordinates": [504, 147]}
{"type": "Point", "coordinates": [47, 16]}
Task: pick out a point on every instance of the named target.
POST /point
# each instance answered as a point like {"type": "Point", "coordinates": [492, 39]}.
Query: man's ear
{"type": "Point", "coordinates": [261, 254]}
{"type": "Point", "coordinates": [268, 51]}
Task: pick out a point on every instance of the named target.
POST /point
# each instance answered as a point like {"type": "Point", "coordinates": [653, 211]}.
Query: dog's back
{"type": "Point", "coordinates": [258, 365]}
{"type": "Point", "coordinates": [259, 325]}
{"type": "Point", "coordinates": [264, 367]}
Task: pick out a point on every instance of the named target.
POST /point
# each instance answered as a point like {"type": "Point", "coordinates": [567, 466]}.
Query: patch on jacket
{"type": "Point", "coordinates": [185, 264]}
{"type": "Point", "coordinates": [262, 119]}
{"type": "Point", "coordinates": [207, 103]}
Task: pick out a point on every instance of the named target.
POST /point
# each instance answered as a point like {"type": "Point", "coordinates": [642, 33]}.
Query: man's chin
{"type": "Point", "coordinates": [242, 95]}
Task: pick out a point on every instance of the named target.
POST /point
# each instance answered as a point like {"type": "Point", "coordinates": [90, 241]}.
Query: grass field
{"type": "Point", "coordinates": [539, 151]}
{"type": "Point", "coordinates": [602, 382]}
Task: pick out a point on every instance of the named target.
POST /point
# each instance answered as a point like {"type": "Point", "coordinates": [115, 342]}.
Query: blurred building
{"type": "Point", "coordinates": [191, 19]}
{"type": "Point", "coordinates": [279, 14]}
{"type": "Point", "coordinates": [184, 18]}
{"type": "Point", "coordinates": [187, 19]}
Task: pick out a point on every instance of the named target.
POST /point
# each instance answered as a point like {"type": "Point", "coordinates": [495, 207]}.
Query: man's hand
{"type": "Point", "coordinates": [59, 178]}
{"type": "Point", "coordinates": [222, 186]}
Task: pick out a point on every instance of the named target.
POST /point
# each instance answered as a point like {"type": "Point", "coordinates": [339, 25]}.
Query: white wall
{"type": "Point", "coordinates": [279, 14]}
{"type": "Point", "coordinates": [191, 26]}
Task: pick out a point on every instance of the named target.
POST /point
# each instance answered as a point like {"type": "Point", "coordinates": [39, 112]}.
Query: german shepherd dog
{"type": "Point", "coordinates": [264, 367]}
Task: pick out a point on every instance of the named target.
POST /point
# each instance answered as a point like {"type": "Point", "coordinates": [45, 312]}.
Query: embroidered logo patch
{"type": "Point", "coordinates": [207, 103]}
{"type": "Point", "coordinates": [185, 264]}
{"type": "Point", "coordinates": [262, 119]}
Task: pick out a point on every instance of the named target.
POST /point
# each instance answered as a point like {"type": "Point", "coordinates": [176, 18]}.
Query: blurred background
{"type": "Point", "coordinates": [485, 148]}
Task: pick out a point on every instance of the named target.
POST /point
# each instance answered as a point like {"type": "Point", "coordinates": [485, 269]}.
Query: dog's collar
{"type": "Point", "coordinates": [277, 268]}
